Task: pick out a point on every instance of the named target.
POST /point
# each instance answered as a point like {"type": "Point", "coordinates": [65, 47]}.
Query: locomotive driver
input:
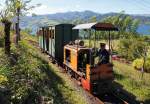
{"type": "Point", "coordinates": [103, 54]}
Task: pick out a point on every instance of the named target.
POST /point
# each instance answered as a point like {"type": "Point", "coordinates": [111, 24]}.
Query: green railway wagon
{"type": "Point", "coordinates": [61, 35]}
{"type": "Point", "coordinates": [53, 39]}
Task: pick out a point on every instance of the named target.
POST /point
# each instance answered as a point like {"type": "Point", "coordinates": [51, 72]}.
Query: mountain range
{"type": "Point", "coordinates": [36, 21]}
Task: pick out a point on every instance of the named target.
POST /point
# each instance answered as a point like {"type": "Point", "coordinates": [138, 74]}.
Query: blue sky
{"type": "Point", "coordinates": [100, 6]}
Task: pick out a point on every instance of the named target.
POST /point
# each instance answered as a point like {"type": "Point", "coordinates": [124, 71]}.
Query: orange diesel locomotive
{"type": "Point", "coordinates": [80, 61]}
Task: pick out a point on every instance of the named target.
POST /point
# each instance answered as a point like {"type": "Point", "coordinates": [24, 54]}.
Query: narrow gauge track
{"type": "Point", "coordinates": [110, 98]}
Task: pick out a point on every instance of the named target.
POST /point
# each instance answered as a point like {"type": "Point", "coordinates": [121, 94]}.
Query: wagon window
{"type": "Point", "coordinates": [49, 33]}
{"type": "Point", "coordinates": [40, 32]}
{"type": "Point", "coordinates": [52, 35]}
{"type": "Point", "coordinates": [68, 55]}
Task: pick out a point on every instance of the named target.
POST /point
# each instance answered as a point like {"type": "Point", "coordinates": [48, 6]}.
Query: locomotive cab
{"type": "Point", "coordinates": [83, 60]}
{"type": "Point", "coordinates": [76, 58]}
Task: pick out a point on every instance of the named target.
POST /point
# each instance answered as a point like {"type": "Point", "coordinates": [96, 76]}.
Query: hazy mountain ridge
{"type": "Point", "coordinates": [40, 20]}
{"type": "Point", "coordinates": [86, 15]}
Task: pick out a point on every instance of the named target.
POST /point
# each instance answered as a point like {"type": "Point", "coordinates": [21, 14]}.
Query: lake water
{"type": "Point", "coordinates": [144, 29]}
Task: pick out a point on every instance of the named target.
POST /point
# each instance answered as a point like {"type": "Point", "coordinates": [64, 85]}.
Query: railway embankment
{"type": "Point", "coordinates": [26, 76]}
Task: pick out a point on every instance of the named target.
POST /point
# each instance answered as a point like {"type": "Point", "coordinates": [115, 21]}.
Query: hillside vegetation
{"type": "Point", "coordinates": [27, 77]}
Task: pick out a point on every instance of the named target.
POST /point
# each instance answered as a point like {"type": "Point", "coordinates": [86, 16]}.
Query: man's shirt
{"type": "Point", "coordinates": [103, 56]}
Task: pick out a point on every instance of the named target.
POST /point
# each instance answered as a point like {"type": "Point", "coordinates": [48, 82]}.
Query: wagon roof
{"type": "Point", "coordinates": [53, 25]}
{"type": "Point", "coordinates": [97, 26]}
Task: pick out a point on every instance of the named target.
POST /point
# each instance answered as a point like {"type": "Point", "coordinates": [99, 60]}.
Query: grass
{"type": "Point", "coordinates": [133, 81]}
{"type": "Point", "coordinates": [30, 78]}
{"type": "Point", "coordinates": [68, 89]}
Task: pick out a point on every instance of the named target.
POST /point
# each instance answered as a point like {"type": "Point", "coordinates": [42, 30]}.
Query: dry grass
{"type": "Point", "coordinates": [133, 81]}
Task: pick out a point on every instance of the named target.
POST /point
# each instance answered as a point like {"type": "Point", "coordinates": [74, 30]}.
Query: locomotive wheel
{"type": "Point", "coordinates": [66, 69]}
{"type": "Point", "coordinates": [53, 61]}
{"type": "Point", "coordinates": [76, 76]}
{"type": "Point", "coordinates": [70, 72]}
{"type": "Point", "coordinates": [79, 81]}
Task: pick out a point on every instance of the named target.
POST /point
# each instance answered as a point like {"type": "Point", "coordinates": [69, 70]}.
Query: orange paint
{"type": "Point", "coordinates": [86, 84]}
{"type": "Point", "coordinates": [88, 72]}
{"type": "Point", "coordinates": [73, 58]}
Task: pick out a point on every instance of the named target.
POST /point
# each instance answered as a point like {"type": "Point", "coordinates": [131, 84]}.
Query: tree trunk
{"type": "Point", "coordinates": [18, 22]}
{"type": "Point", "coordinates": [17, 32]}
{"type": "Point", "coordinates": [7, 36]}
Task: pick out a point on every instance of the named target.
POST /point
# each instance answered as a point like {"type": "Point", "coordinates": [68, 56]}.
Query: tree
{"type": "Point", "coordinates": [8, 13]}
{"type": "Point", "coordinates": [123, 48]}
{"type": "Point", "coordinates": [34, 15]}
{"type": "Point", "coordinates": [78, 21]}
{"type": "Point", "coordinates": [93, 19]}
{"type": "Point", "coordinates": [133, 48]}
{"type": "Point", "coordinates": [142, 63]}
{"type": "Point", "coordinates": [17, 8]}
{"type": "Point", "coordinates": [28, 30]}
{"type": "Point", "coordinates": [126, 24]}
{"type": "Point", "coordinates": [141, 50]}
{"type": "Point", "coordinates": [5, 19]}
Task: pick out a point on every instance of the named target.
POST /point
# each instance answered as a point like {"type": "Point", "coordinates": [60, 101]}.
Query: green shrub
{"type": "Point", "coordinates": [138, 63]}
{"type": "Point", "coordinates": [131, 49]}
{"type": "Point", "coordinates": [3, 79]}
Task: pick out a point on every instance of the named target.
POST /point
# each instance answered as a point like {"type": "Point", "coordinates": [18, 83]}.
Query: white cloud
{"type": "Point", "coordinates": [2, 5]}
{"type": "Point", "coordinates": [77, 6]}
{"type": "Point", "coordinates": [44, 9]}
